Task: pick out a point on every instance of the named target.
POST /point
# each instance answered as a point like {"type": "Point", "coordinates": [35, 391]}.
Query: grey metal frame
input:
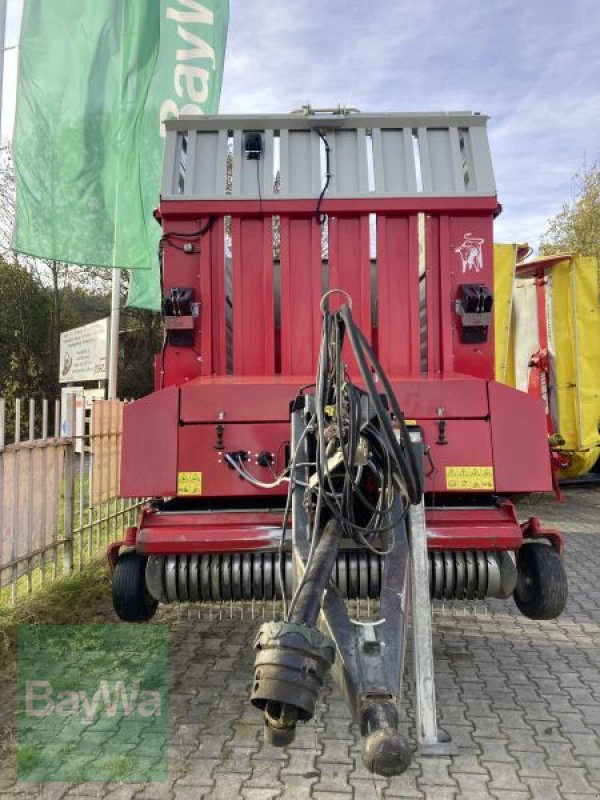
{"type": "Point", "coordinates": [371, 155]}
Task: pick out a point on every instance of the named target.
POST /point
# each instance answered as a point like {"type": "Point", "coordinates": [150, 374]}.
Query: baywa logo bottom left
{"type": "Point", "coordinates": [93, 703]}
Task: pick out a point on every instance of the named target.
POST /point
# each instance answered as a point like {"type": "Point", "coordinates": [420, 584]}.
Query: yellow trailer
{"type": "Point", "coordinates": [547, 323]}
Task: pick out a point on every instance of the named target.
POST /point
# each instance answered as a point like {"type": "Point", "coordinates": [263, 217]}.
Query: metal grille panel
{"type": "Point", "coordinates": [418, 155]}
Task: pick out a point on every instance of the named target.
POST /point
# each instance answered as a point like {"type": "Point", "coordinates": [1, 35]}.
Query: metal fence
{"type": "Point", "coordinates": [59, 477]}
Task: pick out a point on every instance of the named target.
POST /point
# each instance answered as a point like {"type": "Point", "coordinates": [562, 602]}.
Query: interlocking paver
{"type": "Point", "coordinates": [543, 788]}
{"type": "Point", "coordinates": [368, 790]}
{"type": "Point", "coordinates": [560, 755]}
{"type": "Point", "coordinates": [534, 765]}
{"type": "Point", "coordinates": [333, 778]}
{"type": "Point", "coordinates": [265, 774]}
{"type": "Point", "coordinates": [199, 772]}
{"type": "Point", "coordinates": [439, 793]}
{"type": "Point", "coordinates": [335, 752]}
{"type": "Point", "coordinates": [573, 779]}
{"type": "Point", "coordinates": [261, 794]}
{"type": "Point", "coordinates": [435, 772]}
{"type": "Point", "coordinates": [181, 792]}
{"type": "Point", "coordinates": [404, 785]}
{"type": "Point", "coordinates": [469, 783]}
{"type": "Point", "coordinates": [504, 776]}
{"type": "Point", "coordinates": [494, 750]}
{"type": "Point", "coordinates": [298, 787]}
{"type": "Point", "coordinates": [486, 726]}
{"type": "Point", "coordinates": [301, 762]}
{"type": "Point", "coordinates": [586, 744]}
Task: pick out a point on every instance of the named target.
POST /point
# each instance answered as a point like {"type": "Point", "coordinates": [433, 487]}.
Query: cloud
{"type": "Point", "coordinates": [533, 67]}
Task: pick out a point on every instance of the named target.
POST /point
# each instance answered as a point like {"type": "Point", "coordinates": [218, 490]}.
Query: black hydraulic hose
{"type": "Point", "coordinates": [359, 344]}
{"type": "Point", "coordinates": [396, 410]}
{"type": "Point", "coordinates": [308, 603]}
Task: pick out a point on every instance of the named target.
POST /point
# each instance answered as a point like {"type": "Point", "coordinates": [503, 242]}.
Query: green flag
{"type": "Point", "coordinates": [187, 80]}
{"type": "Point", "coordinates": [95, 79]}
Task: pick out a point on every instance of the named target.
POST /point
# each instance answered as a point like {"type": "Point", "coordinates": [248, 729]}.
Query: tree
{"type": "Point", "coordinates": [25, 314]}
{"type": "Point", "coordinates": [40, 298]}
{"type": "Point", "coordinates": [576, 227]}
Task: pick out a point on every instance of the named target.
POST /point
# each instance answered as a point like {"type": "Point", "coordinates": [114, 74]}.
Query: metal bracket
{"type": "Point", "coordinates": [431, 739]}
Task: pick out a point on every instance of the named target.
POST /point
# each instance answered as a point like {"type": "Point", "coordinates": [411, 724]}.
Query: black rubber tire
{"type": "Point", "coordinates": [541, 591]}
{"type": "Point", "coordinates": [131, 599]}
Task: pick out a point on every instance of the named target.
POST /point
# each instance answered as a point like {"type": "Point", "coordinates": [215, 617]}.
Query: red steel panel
{"type": "Point", "coordinates": [350, 270]}
{"type": "Point", "coordinates": [350, 266]}
{"type": "Point", "coordinates": [233, 401]}
{"type": "Point", "coordinates": [473, 359]}
{"type": "Point", "coordinates": [208, 533]}
{"type": "Point", "coordinates": [493, 528]}
{"type": "Point", "coordinates": [181, 270]}
{"type": "Point", "coordinates": [432, 295]}
{"type": "Point", "coordinates": [197, 453]}
{"type": "Point", "coordinates": [252, 297]}
{"type": "Point", "coordinates": [212, 300]}
{"type": "Point", "coordinates": [301, 291]}
{"type": "Point", "coordinates": [239, 399]}
{"type": "Point", "coordinates": [203, 270]}
{"type": "Point", "coordinates": [149, 445]}
{"type": "Point", "coordinates": [179, 209]}
{"type": "Point", "coordinates": [398, 315]}
{"type": "Point", "coordinates": [519, 439]}
{"type": "Point", "coordinates": [445, 298]}
{"type": "Point", "coordinates": [468, 444]}
{"type": "Point", "coordinates": [454, 397]}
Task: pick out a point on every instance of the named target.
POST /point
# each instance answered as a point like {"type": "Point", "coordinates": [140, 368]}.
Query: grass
{"type": "Point", "coordinates": [105, 524]}
{"type": "Point", "coordinates": [81, 598]}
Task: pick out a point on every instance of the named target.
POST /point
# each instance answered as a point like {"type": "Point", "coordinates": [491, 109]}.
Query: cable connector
{"type": "Point", "coordinates": [235, 457]}
{"type": "Point", "coordinates": [264, 458]}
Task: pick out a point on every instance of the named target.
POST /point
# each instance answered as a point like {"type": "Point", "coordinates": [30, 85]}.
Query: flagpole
{"type": "Point", "coordinates": [115, 298]}
{"type": "Point", "coordinates": [113, 361]}
{"type": "Point", "coordinates": [2, 43]}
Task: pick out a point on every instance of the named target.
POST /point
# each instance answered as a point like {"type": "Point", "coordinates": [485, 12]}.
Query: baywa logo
{"type": "Point", "coordinates": [40, 702]}
{"type": "Point", "coordinates": [93, 703]}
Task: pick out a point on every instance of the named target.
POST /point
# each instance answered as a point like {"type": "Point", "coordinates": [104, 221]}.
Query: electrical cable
{"type": "Point", "coordinates": [260, 208]}
{"type": "Point", "coordinates": [171, 237]}
{"type": "Point", "coordinates": [286, 514]}
{"type": "Point", "coordinates": [322, 217]}
{"type": "Point", "coordinates": [167, 238]}
{"type": "Point", "coordinates": [244, 473]}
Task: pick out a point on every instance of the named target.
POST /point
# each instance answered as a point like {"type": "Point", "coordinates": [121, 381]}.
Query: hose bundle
{"type": "Point", "coordinates": [375, 462]}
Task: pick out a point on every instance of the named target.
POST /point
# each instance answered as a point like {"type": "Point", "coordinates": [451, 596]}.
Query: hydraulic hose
{"type": "Point", "coordinates": [317, 576]}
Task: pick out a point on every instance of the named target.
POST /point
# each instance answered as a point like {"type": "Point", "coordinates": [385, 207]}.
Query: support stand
{"type": "Point", "coordinates": [431, 740]}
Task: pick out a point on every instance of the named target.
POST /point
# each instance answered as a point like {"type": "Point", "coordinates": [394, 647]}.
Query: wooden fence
{"type": "Point", "coordinates": [59, 478]}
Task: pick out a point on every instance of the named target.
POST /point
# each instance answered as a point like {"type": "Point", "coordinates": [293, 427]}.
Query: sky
{"type": "Point", "coordinates": [532, 66]}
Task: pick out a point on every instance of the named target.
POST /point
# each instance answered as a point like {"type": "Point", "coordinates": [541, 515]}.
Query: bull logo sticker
{"type": "Point", "coordinates": [471, 253]}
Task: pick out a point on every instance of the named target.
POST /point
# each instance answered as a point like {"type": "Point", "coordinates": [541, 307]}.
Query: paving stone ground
{"type": "Point", "coordinates": [521, 699]}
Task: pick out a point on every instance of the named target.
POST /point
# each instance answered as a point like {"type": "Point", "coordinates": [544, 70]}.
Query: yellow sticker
{"type": "Point", "coordinates": [458, 478]}
{"type": "Point", "coordinates": [189, 483]}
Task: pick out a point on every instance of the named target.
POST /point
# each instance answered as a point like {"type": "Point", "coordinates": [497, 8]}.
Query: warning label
{"type": "Point", "coordinates": [473, 478]}
{"type": "Point", "coordinates": [189, 483]}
